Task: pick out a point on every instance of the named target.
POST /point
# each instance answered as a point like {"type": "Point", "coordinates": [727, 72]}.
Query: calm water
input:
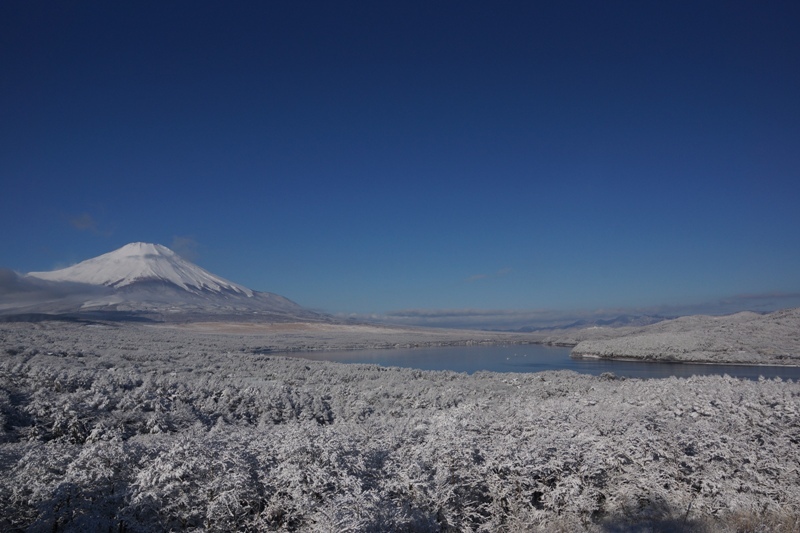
{"type": "Point", "coordinates": [535, 358]}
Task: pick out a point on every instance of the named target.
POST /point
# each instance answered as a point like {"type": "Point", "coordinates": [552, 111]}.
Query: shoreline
{"type": "Point", "coordinates": [672, 361]}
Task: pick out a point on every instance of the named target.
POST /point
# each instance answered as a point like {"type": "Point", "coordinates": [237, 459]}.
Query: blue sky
{"type": "Point", "coordinates": [371, 157]}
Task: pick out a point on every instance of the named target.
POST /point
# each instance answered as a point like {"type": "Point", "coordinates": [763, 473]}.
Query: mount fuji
{"type": "Point", "coordinates": [142, 262]}
{"type": "Point", "coordinates": [149, 280]}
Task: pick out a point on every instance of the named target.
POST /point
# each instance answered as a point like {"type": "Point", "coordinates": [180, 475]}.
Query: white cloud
{"type": "Point", "coordinates": [186, 247]}
{"type": "Point", "coordinates": [546, 318]}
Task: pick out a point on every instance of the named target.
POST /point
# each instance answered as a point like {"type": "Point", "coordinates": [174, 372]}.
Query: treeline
{"type": "Point", "coordinates": [109, 436]}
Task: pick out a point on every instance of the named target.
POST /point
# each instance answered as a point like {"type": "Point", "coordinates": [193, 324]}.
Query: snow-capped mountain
{"type": "Point", "coordinates": [143, 278]}
{"type": "Point", "coordinates": [141, 261]}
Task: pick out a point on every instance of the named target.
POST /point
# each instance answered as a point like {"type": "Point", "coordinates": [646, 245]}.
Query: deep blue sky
{"type": "Point", "coordinates": [375, 156]}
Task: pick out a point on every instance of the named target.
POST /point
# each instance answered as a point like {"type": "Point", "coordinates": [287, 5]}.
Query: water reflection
{"type": "Point", "coordinates": [536, 358]}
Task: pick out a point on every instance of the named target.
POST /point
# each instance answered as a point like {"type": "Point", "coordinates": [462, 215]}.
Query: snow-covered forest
{"type": "Point", "coordinates": [109, 428]}
{"type": "Point", "coordinates": [741, 338]}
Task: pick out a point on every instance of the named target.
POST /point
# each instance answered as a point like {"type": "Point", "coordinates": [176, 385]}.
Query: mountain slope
{"type": "Point", "coordinates": [151, 279]}
{"type": "Point", "coordinates": [138, 262]}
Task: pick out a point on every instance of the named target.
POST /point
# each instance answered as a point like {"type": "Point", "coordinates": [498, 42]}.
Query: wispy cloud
{"type": "Point", "coordinates": [86, 222]}
{"type": "Point", "coordinates": [83, 222]}
{"type": "Point", "coordinates": [758, 302]}
{"type": "Point", "coordinates": [499, 274]}
{"type": "Point", "coordinates": [778, 295]}
{"type": "Point", "coordinates": [549, 318]}
{"type": "Point", "coordinates": [186, 247]}
{"type": "Point", "coordinates": [475, 318]}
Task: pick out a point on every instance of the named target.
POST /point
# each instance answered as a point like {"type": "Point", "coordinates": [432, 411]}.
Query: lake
{"type": "Point", "coordinates": [536, 358]}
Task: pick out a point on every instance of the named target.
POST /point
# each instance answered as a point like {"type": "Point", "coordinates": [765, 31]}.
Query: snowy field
{"type": "Point", "coordinates": [132, 428]}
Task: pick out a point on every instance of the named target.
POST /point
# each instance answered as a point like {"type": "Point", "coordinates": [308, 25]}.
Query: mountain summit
{"type": "Point", "coordinates": [148, 280]}
{"type": "Point", "coordinates": [143, 262]}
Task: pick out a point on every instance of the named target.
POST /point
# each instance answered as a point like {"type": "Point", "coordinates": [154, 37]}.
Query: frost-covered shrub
{"type": "Point", "coordinates": [138, 434]}
{"type": "Point", "coordinates": [199, 480]}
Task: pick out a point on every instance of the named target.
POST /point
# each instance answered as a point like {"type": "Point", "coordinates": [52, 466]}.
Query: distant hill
{"type": "Point", "coordinates": [616, 322]}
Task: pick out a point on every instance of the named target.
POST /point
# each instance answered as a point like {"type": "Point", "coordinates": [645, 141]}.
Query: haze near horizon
{"type": "Point", "coordinates": [415, 159]}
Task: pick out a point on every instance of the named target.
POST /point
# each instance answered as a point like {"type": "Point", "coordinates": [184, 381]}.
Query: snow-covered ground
{"type": "Point", "coordinates": [150, 429]}
{"type": "Point", "coordinates": [772, 339]}
{"type": "Point", "coordinates": [310, 336]}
